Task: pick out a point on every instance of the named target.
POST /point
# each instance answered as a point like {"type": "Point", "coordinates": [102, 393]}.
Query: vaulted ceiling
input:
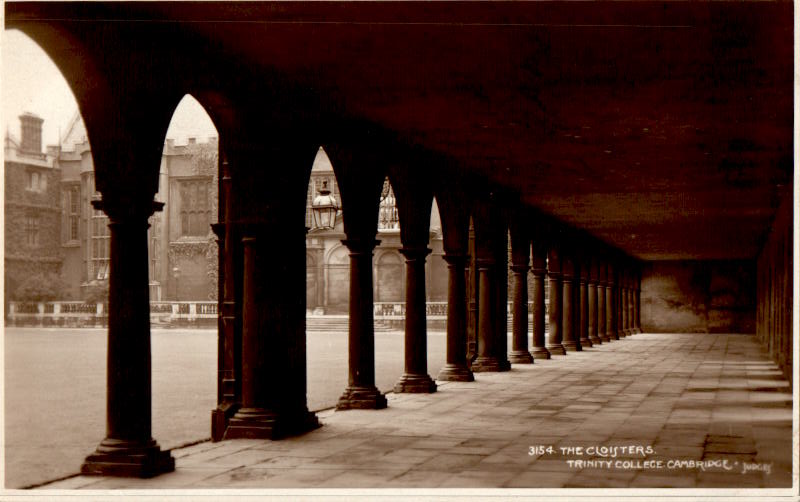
{"type": "Point", "coordinates": [664, 129]}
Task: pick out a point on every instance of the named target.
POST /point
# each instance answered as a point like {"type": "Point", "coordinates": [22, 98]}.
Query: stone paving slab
{"type": "Point", "coordinates": [687, 399]}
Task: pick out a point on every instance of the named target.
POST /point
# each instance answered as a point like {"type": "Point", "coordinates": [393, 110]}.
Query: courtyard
{"type": "Point", "coordinates": [55, 382]}
{"type": "Point", "coordinates": [648, 411]}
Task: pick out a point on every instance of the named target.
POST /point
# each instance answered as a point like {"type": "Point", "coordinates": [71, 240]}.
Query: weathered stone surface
{"type": "Point", "coordinates": [477, 434]}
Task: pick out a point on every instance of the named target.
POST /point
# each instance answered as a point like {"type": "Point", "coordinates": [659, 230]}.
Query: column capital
{"type": "Point", "coordinates": [455, 258]}
{"type": "Point", "coordinates": [519, 269]}
{"type": "Point", "coordinates": [125, 210]}
{"type": "Point", "coordinates": [484, 263]}
{"type": "Point", "coordinates": [360, 246]}
{"type": "Point", "coordinates": [218, 229]}
{"type": "Point", "coordinates": [538, 271]}
{"type": "Point", "coordinates": [415, 253]}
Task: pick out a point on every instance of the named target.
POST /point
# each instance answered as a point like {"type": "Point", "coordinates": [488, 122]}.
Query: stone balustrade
{"type": "Point", "coordinates": [81, 314]}
{"type": "Point", "coordinates": [202, 313]}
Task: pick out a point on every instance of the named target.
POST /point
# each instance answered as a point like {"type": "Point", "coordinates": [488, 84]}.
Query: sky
{"type": "Point", "coordinates": [31, 82]}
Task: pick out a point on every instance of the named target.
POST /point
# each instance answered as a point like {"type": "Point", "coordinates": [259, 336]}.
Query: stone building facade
{"type": "Point", "coordinates": [32, 209]}
{"type": "Point", "coordinates": [181, 246]}
{"type": "Point", "coordinates": [183, 255]}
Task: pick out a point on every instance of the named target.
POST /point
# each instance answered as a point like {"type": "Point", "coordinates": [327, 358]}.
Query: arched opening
{"type": "Point", "coordinates": [53, 252]}
{"type": "Point", "coordinates": [183, 272]}
{"type": "Point", "coordinates": [327, 278]}
{"type": "Point", "coordinates": [183, 249]}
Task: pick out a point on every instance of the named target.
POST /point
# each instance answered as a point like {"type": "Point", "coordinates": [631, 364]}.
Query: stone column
{"type": "Point", "coordinates": [586, 324]}
{"type": "Point", "coordinates": [519, 353]}
{"type": "Point", "coordinates": [638, 303]}
{"type": "Point", "coordinates": [634, 305]}
{"type": "Point", "coordinates": [520, 250]}
{"type": "Point", "coordinates": [594, 292]}
{"type": "Point", "coordinates": [626, 318]}
{"type": "Point", "coordinates": [602, 282]}
{"type": "Point", "coordinates": [472, 297]}
{"type": "Point", "coordinates": [456, 368]}
{"type": "Point", "coordinates": [618, 318]}
{"type": "Point", "coordinates": [415, 378]}
{"type": "Point", "coordinates": [623, 293]}
{"type": "Point", "coordinates": [128, 448]}
{"type": "Point", "coordinates": [486, 360]}
{"type": "Point", "coordinates": [612, 330]}
{"type": "Point", "coordinates": [361, 391]}
{"type": "Point", "coordinates": [539, 271]}
{"type": "Point", "coordinates": [626, 291]}
{"type": "Point", "coordinates": [273, 335]}
{"type": "Point", "coordinates": [570, 336]}
{"type": "Point", "coordinates": [500, 250]}
{"type": "Point", "coordinates": [491, 249]}
{"type": "Point", "coordinates": [554, 339]}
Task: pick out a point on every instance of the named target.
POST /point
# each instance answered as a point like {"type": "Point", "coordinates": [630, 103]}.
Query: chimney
{"type": "Point", "coordinates": [31, 127]}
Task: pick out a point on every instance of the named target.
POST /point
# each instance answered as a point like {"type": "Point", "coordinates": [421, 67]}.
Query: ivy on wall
{"type": "Point", "coordinates": [207, 249]}
{"type": "Point", "coordinates": [205, 162]}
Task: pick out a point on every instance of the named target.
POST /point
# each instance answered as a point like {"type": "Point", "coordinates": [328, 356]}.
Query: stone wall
{"type": "Point", "coordinates": [698, 297]}
{"type": "Point", "coordinates": [22, 259]}
{"type": "Point", "coordinates": [774, 314]}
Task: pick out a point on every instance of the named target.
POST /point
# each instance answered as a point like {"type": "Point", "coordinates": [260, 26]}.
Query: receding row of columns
{"type": "Point", "coordinates": [590, 303]}
{"type": "Point", "coordinates": [262, 353]}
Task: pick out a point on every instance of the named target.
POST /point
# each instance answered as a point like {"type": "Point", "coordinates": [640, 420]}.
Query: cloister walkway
{"type": "Point", "coordinates": [686, 400]}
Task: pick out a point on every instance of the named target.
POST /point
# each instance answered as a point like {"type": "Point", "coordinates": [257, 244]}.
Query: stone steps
{"type": "Point", "coordinates": [336, 323]}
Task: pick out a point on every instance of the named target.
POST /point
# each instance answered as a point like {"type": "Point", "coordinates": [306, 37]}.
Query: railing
{"type": "Point", "coordinates": [95, 314]}
{"type": "Point", "coordinates": [175, 313]}
{"type": "Point", "coordinates": [433, 310]}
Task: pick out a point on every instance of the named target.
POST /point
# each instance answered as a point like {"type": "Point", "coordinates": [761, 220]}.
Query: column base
{"type": "Point", "coordinates": [219, 419]}
{"type": "Point", "coordinates": [418, 384]}
{"type": "Point", "coordinates": [619, 335]}
{"type": "Point", "coordinates": [586, 342]}
{"type": "Point", "coordinates": [115, 457]}
{"type": "Point", "coordinates": [259, 423]}
{"type": "Point", "coordinates": [571, 346]}
{"type": "Point", "coordinates": [520, 357]}
{"type": "Point", "coordinates": [597, 340]}
{"type": "Point", "coordinates": [540, 353]}
{"type": "Point", "coordinates": [455, 373]}
{"type": "Point", "coordinates": [557, 350]}
{"type": "Point", "coordinates": [606, 338]}
{"type": "Point", "coordinates": [483, 364]}
{"type": "Point", "coordinates": [361, 398]}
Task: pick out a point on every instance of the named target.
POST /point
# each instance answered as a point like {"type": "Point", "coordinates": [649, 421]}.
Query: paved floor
{"type": "Point", "coordinates": [712, 409]}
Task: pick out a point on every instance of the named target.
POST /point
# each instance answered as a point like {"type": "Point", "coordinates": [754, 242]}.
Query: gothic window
{"type": "Point", "coordinates": [36, 181]}
{"type": "Point", "coordinates": [71, 215]}
{"type": "Point", "coordinates": [32, 230]}
{"type": "Point", "coordinates": [195, 207]}
{"type": "Point", "coordinates": [99, 250]}
{"type": "Point", "coordinates": [155, 246]}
